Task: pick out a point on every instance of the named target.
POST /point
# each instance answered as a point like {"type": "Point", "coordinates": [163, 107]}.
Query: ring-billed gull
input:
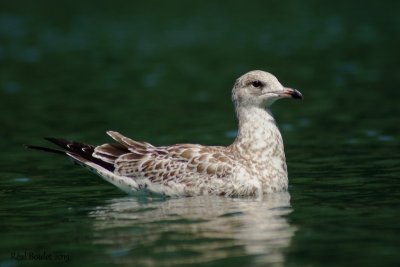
{"type": "Point", "coordinates": [254, 164]}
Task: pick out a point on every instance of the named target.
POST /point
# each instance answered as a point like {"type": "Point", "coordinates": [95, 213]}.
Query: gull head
{"type": "Point", "coordinates": [260, 89]}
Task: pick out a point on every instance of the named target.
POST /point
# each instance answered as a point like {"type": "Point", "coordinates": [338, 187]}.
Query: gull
{"type": "Point", "coordinates": [253, 165]}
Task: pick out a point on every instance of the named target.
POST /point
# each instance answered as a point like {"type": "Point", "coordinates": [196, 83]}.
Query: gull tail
{"type": "Point", "coordinates": [79, 152]}
{"type": "Point", "coordinates": [82, 154]}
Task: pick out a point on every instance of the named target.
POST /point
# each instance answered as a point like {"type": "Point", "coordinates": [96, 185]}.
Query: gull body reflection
{"type": "Point", "coordinates": [194, 230]}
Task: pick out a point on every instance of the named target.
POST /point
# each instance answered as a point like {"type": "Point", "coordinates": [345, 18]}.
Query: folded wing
{"type": "Point", "coordinates": [185, 164]}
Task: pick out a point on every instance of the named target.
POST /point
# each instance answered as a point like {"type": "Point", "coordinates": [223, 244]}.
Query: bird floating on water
{"type": "Point", "coordinates": [253, 165]}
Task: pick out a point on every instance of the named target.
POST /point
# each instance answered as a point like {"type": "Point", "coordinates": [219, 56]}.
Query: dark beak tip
{"type": "Point", "coordinates": [296, 94]}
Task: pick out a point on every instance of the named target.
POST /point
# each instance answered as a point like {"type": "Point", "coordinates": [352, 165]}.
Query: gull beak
{"type": "Point", "coordinates": [293, 93]}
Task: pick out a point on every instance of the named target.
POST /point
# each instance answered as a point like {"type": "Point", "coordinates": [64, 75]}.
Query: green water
{"type": "Point", "coordinates": [162, 72]}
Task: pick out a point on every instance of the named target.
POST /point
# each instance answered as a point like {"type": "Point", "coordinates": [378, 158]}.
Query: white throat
{"type": "Point", "coordinates": [258, 133]}
{"type": "Point", "coordinates": [260, 144]}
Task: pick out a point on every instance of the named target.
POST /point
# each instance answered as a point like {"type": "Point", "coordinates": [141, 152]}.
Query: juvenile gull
{"type": "Point", "coordinates": [253, 165]}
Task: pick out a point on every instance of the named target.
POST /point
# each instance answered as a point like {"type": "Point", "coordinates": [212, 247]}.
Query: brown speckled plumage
{"type": "Point", "coordinates": [254, 164]}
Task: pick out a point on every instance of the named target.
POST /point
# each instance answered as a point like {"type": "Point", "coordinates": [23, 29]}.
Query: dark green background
{"type": "Point", "coordinates": [162, 71]}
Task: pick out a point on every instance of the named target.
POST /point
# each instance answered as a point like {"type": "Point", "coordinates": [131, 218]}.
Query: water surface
{"type": "Point", "coordinates": [162, 72]}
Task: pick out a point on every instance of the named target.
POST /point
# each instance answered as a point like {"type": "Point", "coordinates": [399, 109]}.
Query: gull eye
{"type": "Point", "coordinates": [257, 84]}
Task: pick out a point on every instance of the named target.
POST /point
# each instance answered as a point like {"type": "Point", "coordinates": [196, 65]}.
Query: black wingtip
{"type": "Point", "coordinates": [45, 149]}
{"type": "Point", "coordinates": [58, 141]}
{"type": "Point", "coordinates": [70, 148]}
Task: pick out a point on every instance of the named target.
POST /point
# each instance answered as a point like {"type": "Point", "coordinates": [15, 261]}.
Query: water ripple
{"type": "Point", "coordinates": [197, 229]}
